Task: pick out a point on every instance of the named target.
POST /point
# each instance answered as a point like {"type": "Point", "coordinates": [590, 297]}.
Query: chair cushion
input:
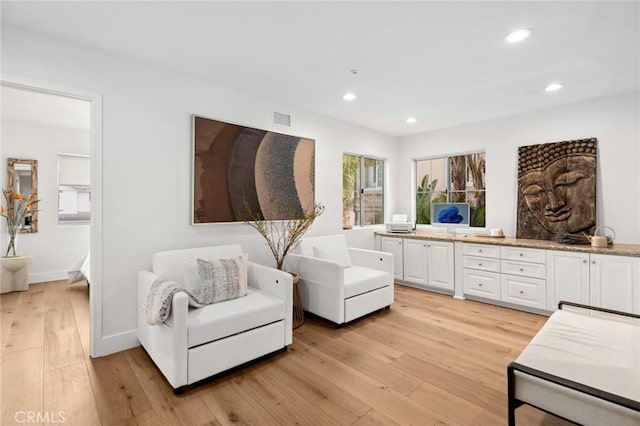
{"type": "Point", "coordinates": [170, 264]}
{"type": "Point", "coordinates": [338, 253]}
{"type": "Point", "coordinates": [358, 280]}
{"type": "Point", "coordinates": [213, 322]}
{"type": "Point", "coordinates": [306, 245]}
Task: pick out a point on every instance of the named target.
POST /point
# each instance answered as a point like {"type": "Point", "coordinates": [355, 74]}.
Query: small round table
{"type": "Point", "coordinates": [14, 273]}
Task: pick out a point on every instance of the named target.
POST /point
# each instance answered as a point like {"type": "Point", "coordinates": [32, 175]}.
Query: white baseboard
{"type": "Point", "coordinates": [118, 342]}
{"type": "Point", "coordinates": [43, 277]}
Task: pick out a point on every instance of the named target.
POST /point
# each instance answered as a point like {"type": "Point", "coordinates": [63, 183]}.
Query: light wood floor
{"type": "Point", "coordinates": [430, 360]}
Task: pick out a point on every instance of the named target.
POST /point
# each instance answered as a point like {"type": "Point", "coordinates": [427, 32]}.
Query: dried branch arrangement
{"type": "Point", "coordinates": [283, 236]}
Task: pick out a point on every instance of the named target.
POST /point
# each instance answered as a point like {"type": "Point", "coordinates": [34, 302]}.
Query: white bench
{"type": "Point", "coordinates": [583, 366]}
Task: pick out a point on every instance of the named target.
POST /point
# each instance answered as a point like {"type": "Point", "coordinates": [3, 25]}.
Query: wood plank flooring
{"type": "Point", "coordinates": [430, 360]}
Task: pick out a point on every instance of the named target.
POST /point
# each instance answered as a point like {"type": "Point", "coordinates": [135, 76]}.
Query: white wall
{"type": "Point", "coordinates": [54, 247]}
{"type": "Point", "coordinates": [614, 120]}
{"type": "Point", "coordinates": [146, 158]}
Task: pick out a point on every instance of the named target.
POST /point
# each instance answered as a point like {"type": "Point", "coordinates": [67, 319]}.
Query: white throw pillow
{"type": "Point", "coordinates": [337, 253]}
{"type": "Point", "coordinates": [193, 280]}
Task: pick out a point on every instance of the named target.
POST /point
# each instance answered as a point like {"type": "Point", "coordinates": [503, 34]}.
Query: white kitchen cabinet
{"type": "Point", "coordinates": [481, 283]}
{"type": "Point", "coordinates": [567, 278]}
{"type": "Point", "coordinates": [522, 290]}
{"type": "Point", "coordinates": [615, 282]}
{"type": "Point", "coordinates": [513, 275]}
{"type": "Point", "coordinates": [429, 263]}
{"type": "Point", "coordinates": [607, 281]}
{"type": "Point", "coordinates": [394, 246]}
{"type": "Point", "coordinates": [415, 261]}
{"type": "Point", "coordinates": [440, 270]}
{"type": "Point", "coordinates": [481, 270]}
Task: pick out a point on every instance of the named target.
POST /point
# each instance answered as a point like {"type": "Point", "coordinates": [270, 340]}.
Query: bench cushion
{"type": "Point", "coordinates": [599, 351]}
{"type": "Point", "coordinates": [223, 319]}
{"type": "Point", "coordinates": [358, 280]}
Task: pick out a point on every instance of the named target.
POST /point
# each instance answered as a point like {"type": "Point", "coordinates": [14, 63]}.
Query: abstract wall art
{"type": "Point", "coordinates": [557, 189]}
{"type": "Point", "coordinates": [239, 170]}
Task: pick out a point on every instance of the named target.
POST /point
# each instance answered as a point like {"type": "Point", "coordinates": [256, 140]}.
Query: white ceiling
{"type": "Point", "coordinates": [443, 62]}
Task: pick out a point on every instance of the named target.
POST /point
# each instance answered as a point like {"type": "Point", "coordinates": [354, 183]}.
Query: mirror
{"type": "Point", "coordinates": [23, 178]}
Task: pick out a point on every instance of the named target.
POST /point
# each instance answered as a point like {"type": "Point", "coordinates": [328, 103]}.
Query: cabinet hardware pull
{"type": "Point", "coordinates": [480, 285]}
{"type": "Point", "coordinates": [479, 264]}
{"type": "Point", "coordinates": [584, 260]}
{"type": "Point", "coordinates": [593, 261]}
{"type": "Point", "coordinates": [479, 250]}
{"type": "Point", "coordinates": [521, 269]}
{"type": "Point", "coordinates": [521, 292]}
{"type": "Point", "coordinates": [521, 254]}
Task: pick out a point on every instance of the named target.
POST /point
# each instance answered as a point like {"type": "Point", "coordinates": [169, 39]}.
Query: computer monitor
{"type": "Point", "coordinates": [450, 216]}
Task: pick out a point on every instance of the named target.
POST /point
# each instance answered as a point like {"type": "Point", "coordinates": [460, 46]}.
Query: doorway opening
{"type": "Point", "coordinates": [61, 128]}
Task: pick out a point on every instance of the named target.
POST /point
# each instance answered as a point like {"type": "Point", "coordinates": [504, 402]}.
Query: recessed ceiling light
{"type": "Point", "coordinates": [553, 87]}
{"type": "Point", "coordinates": [349, 97]}
{"type": "Point", "coordinates": [411, 120]}
{"type": "Point", "coordinates": [518, 35]}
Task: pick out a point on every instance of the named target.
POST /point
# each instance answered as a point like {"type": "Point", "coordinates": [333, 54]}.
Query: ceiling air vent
{"type": "Point", "coordinates": [280, 118]}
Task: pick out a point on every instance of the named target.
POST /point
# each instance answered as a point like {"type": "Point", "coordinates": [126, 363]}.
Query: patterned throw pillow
{"type": "Point", "coordinates": [222, 279]}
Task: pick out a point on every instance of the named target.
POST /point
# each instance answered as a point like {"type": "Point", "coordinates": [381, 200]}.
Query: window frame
{"type": "Point", "coordinates": [447, 190]}
{"type": "Point", "coordinates": [362, 189]}
{"type": "Point", "coordinates": [80, 189]}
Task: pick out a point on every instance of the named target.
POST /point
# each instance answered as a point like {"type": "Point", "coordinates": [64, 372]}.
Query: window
{"type": "Point", "coordinates": [362, 191]}
{"type": "Point", "coordinates": [454, 179]}
{"type": "Point", "coordinates": [74, 188]}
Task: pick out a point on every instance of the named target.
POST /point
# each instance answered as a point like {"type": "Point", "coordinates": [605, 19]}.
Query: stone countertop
{"type": "Point", "coordinates": [615, 249]}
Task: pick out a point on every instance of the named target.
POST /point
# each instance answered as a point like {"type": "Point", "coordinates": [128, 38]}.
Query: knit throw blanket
{"type": "Point", "coordinates": [219, 280]}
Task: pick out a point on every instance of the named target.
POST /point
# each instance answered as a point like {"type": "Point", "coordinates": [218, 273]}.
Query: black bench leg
{"type": "Point", "coordinates": [511, 395]}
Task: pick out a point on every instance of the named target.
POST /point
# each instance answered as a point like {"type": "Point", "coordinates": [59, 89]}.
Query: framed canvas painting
{"type": "Point", "coordinates": [240, 172]}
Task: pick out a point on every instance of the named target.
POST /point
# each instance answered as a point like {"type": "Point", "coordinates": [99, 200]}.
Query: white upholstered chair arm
{"type": "Point", "coordinates": [372, 259]}
{"type": "Point", "coordinates": [322, 285]}
{"type": "Point", "coordinates": [166, 344]}
{"type": "Point", "coordinates": [278, 284]}
{"type": "Point", "coordinates": [315, 269]}
{"type": "Point", "coordinates": [179, 306]}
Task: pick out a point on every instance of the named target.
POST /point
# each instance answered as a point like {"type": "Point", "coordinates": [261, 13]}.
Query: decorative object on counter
{"type": "Point", "coordinates": [601, 241]}
{"type": "Point", "coordinates": [493, 233]}
{"type": "Point", "coordinates": [496, 232]}
{"type": "Point", "coordinates": [234, 165]}
{"type": "Point", "coordinates": [567, 238]}
{"type": "Point", "coordinates": [557, 190]}
{"type": "Point", "coordinates": [14, 211]}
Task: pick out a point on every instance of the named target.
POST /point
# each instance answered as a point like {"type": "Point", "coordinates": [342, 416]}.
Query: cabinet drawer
{"type": "Point", "coordinates": [523, 291]}
{"type": "Point", "coordinates": [523, 254]}
{"type": "Point", "coordinates": [481, 263]}
{"type": "Point", "coordinates": [523, 269]}
{"type": "Point", "coordinates": [484, 250]}
{"type": "Point", "coordinates": [482, 284]}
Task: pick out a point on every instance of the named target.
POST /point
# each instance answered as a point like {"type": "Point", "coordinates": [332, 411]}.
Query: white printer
{"type": "Point", "coordinates": [399, 224]}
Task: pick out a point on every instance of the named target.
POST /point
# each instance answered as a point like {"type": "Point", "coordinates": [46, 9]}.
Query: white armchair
{"type": "Point", "coordinates": [340, 283]}
{"type": "Point", "coordinates": [196, 343]}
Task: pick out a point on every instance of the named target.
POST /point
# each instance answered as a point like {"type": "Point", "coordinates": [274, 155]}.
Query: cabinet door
{"type": "Point", "coordinates": [567, 278]}
{"type": "Point", "coordinates": [394, 246]}
{"type": "Point", "coordinates": [615, 282]}
{"type": "Point", "coordinates": [415, 261]}
{"type": "Point", "coordinates": [440, 270]}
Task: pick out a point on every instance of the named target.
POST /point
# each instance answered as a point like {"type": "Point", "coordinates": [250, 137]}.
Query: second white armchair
{"type": "Point", "coordinates": [340, 283]}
